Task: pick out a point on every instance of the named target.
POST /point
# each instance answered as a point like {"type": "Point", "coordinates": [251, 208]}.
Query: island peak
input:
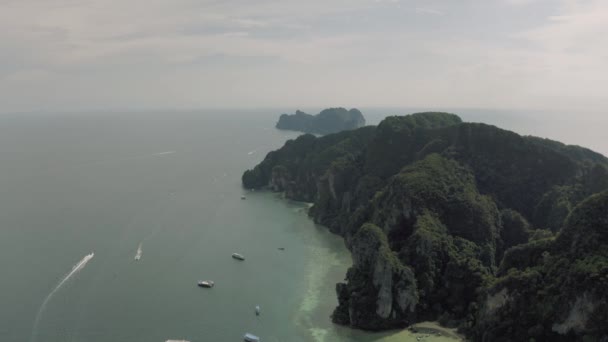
{"type": "Point", "coordinates": [330, 120]}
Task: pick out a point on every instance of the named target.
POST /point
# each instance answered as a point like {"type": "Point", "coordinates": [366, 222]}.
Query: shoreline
{"type": "Point", "coordinates": [328, 266]}
{"type": "Point", "coordinates": [435, 327]}
{"type": "Point", "coordinates": [424, 332]}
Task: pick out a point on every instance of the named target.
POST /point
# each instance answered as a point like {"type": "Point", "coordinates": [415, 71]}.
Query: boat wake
{"type": "Point", "coordinates": [79, 266]}
{"type": "Point", "coordinates": [163, 153]}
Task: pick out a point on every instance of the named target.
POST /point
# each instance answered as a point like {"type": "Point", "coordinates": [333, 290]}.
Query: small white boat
{"type": "Point", "coordinates": [138, 254]}
{"type": "Point", "coordinates": [251, 338]}
{"type": "Point", "coordinates": [238, 256]}
{"type": "Point", "coordinates": [257, 310]}
{"type": "Point", "coordinates": [243, 197]}
{"type": "Point", "coordinates": [206, 283]}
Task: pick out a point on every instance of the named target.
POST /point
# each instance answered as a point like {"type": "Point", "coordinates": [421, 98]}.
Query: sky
{"type": "Point", "coordinates": [147, 54]}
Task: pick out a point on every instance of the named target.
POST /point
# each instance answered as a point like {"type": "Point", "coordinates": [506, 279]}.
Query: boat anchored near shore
{"type": "Point", "coordinates": [251, 338]}
{"type": "Point", "coordinates": [206, 283]}
{"type": "Point", "coordinates": [238, 256]}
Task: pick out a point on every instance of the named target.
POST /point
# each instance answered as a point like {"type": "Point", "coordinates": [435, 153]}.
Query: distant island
{"type": "Point", "coordinates": [331, 120]}
{"type": "Point", "coordinates": [501, 235]}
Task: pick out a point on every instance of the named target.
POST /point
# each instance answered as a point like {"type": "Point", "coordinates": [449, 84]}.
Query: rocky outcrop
{"type": "Point", "coordinates": [381, 292]}
{"type": "Point", "coordinates": [578, 317]}
{"type": "Point", "coordinates": [331, 120]}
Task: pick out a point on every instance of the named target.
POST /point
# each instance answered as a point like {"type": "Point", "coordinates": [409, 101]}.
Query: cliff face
{"type": "Point", "coordinates": [443, 228]}
{"type": "Point", "coordinates": [438, 214]}
{"type": "Point", "coordinates": [381, 292]}
{"type": "Point", "coordinates": [331, 120]}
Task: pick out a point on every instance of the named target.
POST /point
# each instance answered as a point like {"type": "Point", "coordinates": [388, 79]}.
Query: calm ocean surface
{"type": "Point", "coordinates": [76, 184]}
{"type": "Point", "coordinates": [73, 184]}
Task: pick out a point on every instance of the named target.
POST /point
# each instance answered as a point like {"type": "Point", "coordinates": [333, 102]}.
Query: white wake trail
{"type": "Point", "coordinates": [163, 153]}
{"type": "Point", "coordinates": [79, 266]}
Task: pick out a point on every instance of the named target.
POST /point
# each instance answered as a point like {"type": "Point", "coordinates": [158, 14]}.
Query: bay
{"type": "Point", "coordinates": [106, 183]}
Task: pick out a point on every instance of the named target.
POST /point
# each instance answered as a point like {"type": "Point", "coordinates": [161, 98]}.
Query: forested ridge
{"type": "Point", "coordinates": [504, 236]}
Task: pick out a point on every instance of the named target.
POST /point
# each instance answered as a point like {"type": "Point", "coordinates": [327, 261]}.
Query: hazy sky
{"type": "Point", "coordinates": [78, 54]}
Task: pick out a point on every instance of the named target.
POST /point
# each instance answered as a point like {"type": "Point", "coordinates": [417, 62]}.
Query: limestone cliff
{"type": "Point", "coordinates": [381, 292]}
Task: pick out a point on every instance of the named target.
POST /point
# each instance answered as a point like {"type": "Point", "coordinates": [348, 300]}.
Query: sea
{"type": "Point", "coordinates": [83, 193]}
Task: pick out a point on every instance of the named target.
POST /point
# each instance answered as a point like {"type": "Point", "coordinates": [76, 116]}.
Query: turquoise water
{"type": "Point", "coordinates": [105, 183]}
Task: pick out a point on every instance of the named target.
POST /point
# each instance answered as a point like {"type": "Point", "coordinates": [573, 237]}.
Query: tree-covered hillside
{"type": "Point", "coordinates": [444, 217]}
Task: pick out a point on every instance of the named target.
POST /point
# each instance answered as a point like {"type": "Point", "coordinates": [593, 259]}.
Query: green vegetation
{"type": "Point", "coordinates": [303, 160]}
{"type": "Point", "coordinates": [555, 288]}
{"type": "Point", "coordinates": [331, 120]}
{"type": "Point", "coordinates": [500, 235]}
{"type": "Point", "coordinates": [399, 138]}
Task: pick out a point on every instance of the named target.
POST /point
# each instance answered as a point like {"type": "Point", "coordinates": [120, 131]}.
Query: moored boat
{"type": "Point", "coordinates": [251, 338]}
{"type": "Point", "coordinates": [138, 254]}
{"type": "Point", "coordinates": [206, 283]}
{"type": "Point", "coordinates": [238, 256]}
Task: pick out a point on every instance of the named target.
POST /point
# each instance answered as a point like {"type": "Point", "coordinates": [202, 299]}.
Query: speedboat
{"type": "Point", "coordinates": [138, 254]}
{"type": "Point", "coordinates": [238, 256]}
{"type": "Point", "coordinates": [206, 283]}
{"type": "Point", "coordinates": [251, 338]}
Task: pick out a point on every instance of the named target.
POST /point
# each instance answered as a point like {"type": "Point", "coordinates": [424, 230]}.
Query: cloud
{"type": "Point", "coordinates": [423, 10]}
{"type": "Point", "coordinates": [559, 18]}
{"type": "Point", "coordinates": [63, 54]}
{"type": "Point", "coordinates": [520, 2]}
